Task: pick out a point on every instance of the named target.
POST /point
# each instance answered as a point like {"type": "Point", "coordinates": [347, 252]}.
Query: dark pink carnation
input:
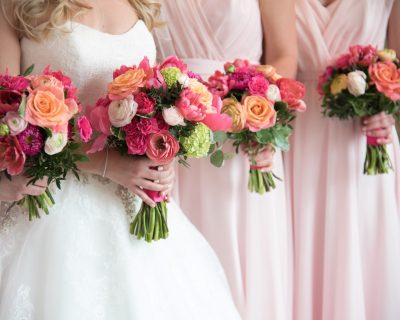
{"type": "Point", "coordinates": [137, 144]}
{"type": "Point", "coordinates": [218, 84]}
{"type": "Point", "coordinates": [85, 129]}
{"type": "Point", "coordinates": [31, 140]}
{"type": "Point", "coordinates": [162, 125]}
{"type": "Point", "coordinates": [258, 85]}
{"type": "Point", "coordinates": [14, 83]}
{"type": "Point", "coordinates": [239, 80]}
{"type": "Point", "coordinates": [145, 103]}
{"type": "Point", "coordinates": [147, 126]}
{"type": "Point", "coordinates": [193, 75]}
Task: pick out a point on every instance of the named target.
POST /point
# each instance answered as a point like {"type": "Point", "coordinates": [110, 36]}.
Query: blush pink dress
{"type": "Point", "coordinates": [346, 224]}
{"type": "Point", "coordinates": [250, 233]}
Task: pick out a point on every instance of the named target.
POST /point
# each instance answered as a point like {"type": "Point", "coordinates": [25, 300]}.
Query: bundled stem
{"type": "Point", "coordinates": [377, 160]}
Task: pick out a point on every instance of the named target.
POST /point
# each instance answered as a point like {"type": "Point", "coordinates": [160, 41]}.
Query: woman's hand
{"type": "Point", "coordinates": [380, 126]}
{"type": "Point", "coordinates": [138, 173]}
{"type": "Point", "coordinates": [265, 159]}
{"type": "Point", "coordinates": [17, 188]}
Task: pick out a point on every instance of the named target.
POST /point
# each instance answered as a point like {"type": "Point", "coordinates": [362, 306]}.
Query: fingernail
{"type": "Point", "coordinates": [160, 168]}
{"type": "Point", "coordinates": [153, 205]}
{"type": "Point", "coordinates": [365, 122]}
{"type": "Point", "coordinates": [364, 128]}
{"type": "Point", "coordinates": [379, 141]}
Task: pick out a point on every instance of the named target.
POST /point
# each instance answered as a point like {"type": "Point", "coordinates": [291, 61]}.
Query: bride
{"type": "Point", "coordinates": [80, 261]}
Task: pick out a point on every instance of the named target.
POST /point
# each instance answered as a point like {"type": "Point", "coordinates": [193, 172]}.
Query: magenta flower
{"type": "Point", "coordinates": [145, 103]}
{"type": "Point", "coordinates": [31, 140]}
{"type": "Point", "coordinates": [239, 80]}
{"type": "Point", "coordinates": [14, 83]}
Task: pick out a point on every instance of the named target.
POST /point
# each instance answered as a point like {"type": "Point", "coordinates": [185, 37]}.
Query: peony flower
{"type": "Point", "coordinates": [127, 84]}
{"type": "Point", "coordinates": [9, 101]}
{"type": "Point", "coordinates": [273, 93]}
{"type": "Point", "coordinates": [145, 103]}
{"type": "Point", "coordinates": [147, 126]}
{"type": "Point", "coordinates": [12, 157]}
{"type": "Point", "coordinates": [162, 147]}
{"type": "Point", "coordinates": [357, 83]}
{"type": "Point", "coordinates": [4, 130]}
{"type": "Point", "coordinates": [260, 113]}
{"type": "Point", "coordinates": [171, 76]}
{"type": "Point", "coordinates": [386, 78]}
{"type": "Point", "coordinates": [173, 117]}
{"type": "Point", "coordinates": [45, 81]}
{"type": "Point", "coordinates": [190, 106]}
{"type": "Point", "coordinates": [31, 140]}
{"type": "Point", "coordinates": [121, 112]}
{"type": "Point", "coordinates": [47, 108]}
{"type": "Point", "coordinates": [137, 144]}
{"type": "Point", "coordinates": [323, 79]}
{"type": "Point", "coordinates": [218, 84]}
{"type": "Point", "coordinates": [387, 55]}
{"type": "Point", "coordinates": [198, 143]}
{"type": "Point", "coordinates": [15, 122]}
{"type": "Point", "coordinates": [258, 85]}
{"type": "Point", "coordinates": [56, 143]}
{"type": "Point", "coordinates": [297, 105]}
{"type": "Point", "coordinates": [85, 129]}
{"type": "Point", "coordinates": [290, 89]}
{"type": "Point", "coordinates": [338, 84]}
{"type": "Point", "coordinates": [174, 62]}
{"type": "Point", "coordinates": [206, 97]}
{"type": "Point", "coordinates": [236, 111]}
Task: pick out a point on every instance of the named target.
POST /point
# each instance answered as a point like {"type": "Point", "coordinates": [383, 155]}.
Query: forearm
{"type": "Point", "coordinates": [96, 161]}
{"type": "Point", "coordinates": [286, 66]}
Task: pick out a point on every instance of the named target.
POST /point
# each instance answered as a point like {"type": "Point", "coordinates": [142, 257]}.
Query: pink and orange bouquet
{"type": "Point", "coordinates": [159, 112]}
{"type": "Point", "coordinates": [261, 104]}
{"type": "Point", "coordinates": [363, 82]}
{"type": "Point", "coordinates": [36, 126]}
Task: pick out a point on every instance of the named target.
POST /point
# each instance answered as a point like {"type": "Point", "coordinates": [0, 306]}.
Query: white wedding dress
{"type": "Point", "coordinates": [80, 262]}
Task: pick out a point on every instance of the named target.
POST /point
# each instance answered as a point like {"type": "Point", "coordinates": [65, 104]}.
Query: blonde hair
{"type": "Point", "coordinates": [35, 19]}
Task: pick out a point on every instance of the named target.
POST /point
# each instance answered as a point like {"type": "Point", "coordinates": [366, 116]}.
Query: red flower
{"type": "Point", "coordinates": [137, 144]}
{"type": "Point", "coordinates": [291, 89]}
{"type": "Point", "coordinates": [12, 158]}
{"type": "Point", "coordinates": [9, 101]}
{"type": "Point", "coordinates": [145, 103]}
{"type": "Point", "coordinates": [147, 126]}
{"type": "Point", "coordinates": [162, 147]}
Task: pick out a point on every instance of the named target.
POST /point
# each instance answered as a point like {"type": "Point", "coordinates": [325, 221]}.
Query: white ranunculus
{"type": "Point", "coordinates": [15, 122]}
{"type": "Point", "coordinates": [173, 117]}
{"type": "Point", "coordinates": [56, 143]}
{"type": "Point", "coordinates": [184, 80]}
{"type": "Point", "coordinates": [387, 55]}
{"type": "Point", "coordinates": [357, 83]}
{"type": "Point", "coordinates": [121, 112]}
{"type": "Point", "coordinates": [273, 93]}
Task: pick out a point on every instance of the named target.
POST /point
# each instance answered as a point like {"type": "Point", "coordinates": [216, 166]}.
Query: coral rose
{"type": "Point", "coordinates": [47, 108]}
{"type": "Point", "coordinates": [190, 106]}
{"type": "Point", "coordinates": [260, 113]}
{"type": "Point", "coordinates": [127, 84]}
{"type": "Point", "coordinates": [386, 78]}
{"type": "Point", "coordinates": [162, 147]}
{"type": "Point", "coordinates": [236, 111]}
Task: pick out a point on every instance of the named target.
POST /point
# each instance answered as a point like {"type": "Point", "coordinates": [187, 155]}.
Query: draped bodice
{"type": "Point", "coordinates": [326, 32]}
{"type": "Point", "coordinates": [89, 56]}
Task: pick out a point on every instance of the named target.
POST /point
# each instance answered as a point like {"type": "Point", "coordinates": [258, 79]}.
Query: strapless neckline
{"type": "Point", "coordinates": [131, 30]}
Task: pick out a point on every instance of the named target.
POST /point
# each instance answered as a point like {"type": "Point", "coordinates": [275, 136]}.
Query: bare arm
{"type": "Point", "coordinates": [279, 27]}
{"type": "Point", "coordinates": [394, 28]}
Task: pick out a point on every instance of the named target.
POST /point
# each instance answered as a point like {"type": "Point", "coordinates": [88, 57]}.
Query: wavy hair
{"type": "Point", "coordinates": [35, 19]}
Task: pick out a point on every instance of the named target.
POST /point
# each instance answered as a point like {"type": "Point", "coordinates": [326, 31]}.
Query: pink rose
{"type": "Point", "coordinates": [12, 158]}
{"type": "Point", "coordinates": [343, 62]}
{"type": "Point", "coordinates": [363, 55]}
{"type": "Point", "coordinates": [137, 144]}
{"type": "Point", "coordinates": [218, 84]}
{"type": "Point", "coordinates": [45, 81]}
{"type": "Point", "coordinates": [258, 85]}
{"type": "Point", "coordinates": [190, 106]}
{"type": "Point", "coordinates": [85, 129]}
{"type": "Point", "coordinates": [173, 61]}
{"type": "Point", "coordinates": [291, 89]}
{"type": "Point", "coordinates": [9, 101]}
{"type": "Point", "coordinates": [145, 103]}
{"type": "Point", "coordinates": [147, 126]}
{"type": "Point", "coordinates": [386, 78]}
{"type": "Point", "coordinates": [66, 82]}
{"type": "Point", "coordinates": [162, 147]}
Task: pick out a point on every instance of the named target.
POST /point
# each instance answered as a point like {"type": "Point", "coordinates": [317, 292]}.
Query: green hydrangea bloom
{"type": "Point", "coordinates": [4, 130]}
{"type": "Point", "coordinates": [171, 75]}
{"type": "Point", "coordinates": [198, 143]}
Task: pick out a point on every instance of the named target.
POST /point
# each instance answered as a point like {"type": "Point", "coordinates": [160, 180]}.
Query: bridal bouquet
{"type": "Point", "coordinates": [261, 104]}
{"type": "Point", "coordinates": [36, 126]}
{"type": "Point", "coordinates": [363, 82]}
{"type": "Point", "coordinates": [160, 112]}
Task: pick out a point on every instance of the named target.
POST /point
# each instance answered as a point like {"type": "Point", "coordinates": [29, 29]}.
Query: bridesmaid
{"type": "Point", "coordinates": [346, 224]}
{"type": "Point", "coordinates": [250, 233]}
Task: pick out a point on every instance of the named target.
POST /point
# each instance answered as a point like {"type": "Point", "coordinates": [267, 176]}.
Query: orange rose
{"type": "Point", "coordinates": [46, 108]}
{"type": "Point", "coordinates": [127, 84]}
{"type": "Point", "coordinates": [269, 72]}
{"type": "Point", "coordinates": [260, 113]}
{"type": "Point", "coordinates": [386, 78]}
{"type": "Point", "coordinates": [236, 111]}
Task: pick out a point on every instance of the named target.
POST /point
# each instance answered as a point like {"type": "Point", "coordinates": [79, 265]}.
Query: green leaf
{"type": "Point", "coordinates": [228, 155]}
{"type": "Point", "coordinates": [22, 106]}
{"type": "Point", "coordinates": [217, 158]}
{"type": "Point", "coordinates": [220, 136]}
{"type": "Point", "coordinates": [29, 71]}
{"type": "Point", "coordinates": [264, 136]}
{"type": "Point", "coordinates": [212, 148]}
